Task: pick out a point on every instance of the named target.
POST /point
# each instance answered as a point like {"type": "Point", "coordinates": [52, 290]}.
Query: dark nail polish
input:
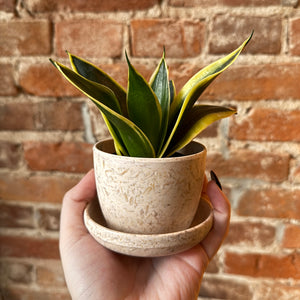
{"type": "Point", "coordinates": [215, 179]}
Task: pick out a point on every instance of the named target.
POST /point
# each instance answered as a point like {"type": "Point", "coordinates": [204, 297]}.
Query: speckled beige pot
{"type": "Point", "coordinates": [149, 195]}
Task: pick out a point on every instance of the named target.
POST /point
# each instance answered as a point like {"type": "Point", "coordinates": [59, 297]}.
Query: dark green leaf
{"type": "Point", "coordinates": [93, 73]}
{"type": "Point", "coordinates": [160, 85]}
{"type": "Point", "coordinates": [196, 120]}
{"type": "Point", "coordinates": [143, 106]}
{"type": "Point", "coordinates": [123, 130]}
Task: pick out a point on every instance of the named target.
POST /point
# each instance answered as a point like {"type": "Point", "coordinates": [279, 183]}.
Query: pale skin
{"type": "Point", "coordinates": [95, 273]}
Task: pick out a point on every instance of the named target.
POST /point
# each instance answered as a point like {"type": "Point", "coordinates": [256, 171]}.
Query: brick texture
{"type": "Point", "coordinates": [291, 238]}
{"type": "Point", "coordinates": [270, 203]}
{"type": "Point", "coordinates": [47, 128]}
{"type": "Point", "coordinates": [250, 234]}
{"type": "Point", "coordinates": [294, 37]}
{"type": "Point", "coordinates": [225, 289]}
{"type": "Point", "coordinates": [230, 3]}
{"type": "Point", "coordinates": [180, 39]}
{"type": "Point", "coordinates": [65, 157]}
{"type": "Point", "coordinates": [88, 6]}
{"type": "Point", "coordinates": [75, 35]}
{"type": "Point", "coordinates": [25, 38]}
{"type": "Point", "coordinates": [7, 83]}
{"type": "Point", "coordinates": [251, 164]}
{"type": "Point", "coordinates": [15, 216]}
{"type": "Point", "coordinates": [257, 82]}
{"type": "Point", "coordinates": [7, 5]}
{"type": "Point", "coordinates": [267, 33]}
{"type": "Point", "coordinates": [268, 125]}
{"type": "Point", "coordinates": [263, 265]}
{"type": "Point", "coordinates": [31, 294]}
{"type": "Point", "coordinates": [17, 272]}
{"type": "Point", "coordinates": [41, 116]}
{"type": "Point", "coordinates": [10, 155]}
{"type": "Point", "coordinates": [36, 188]}
{"type": "Point", "coordinates": [20, 246]}
{"type": "Point", "coordinates": [50, 275]}
{"type": "Point", "coordinates": [48, 218]}
{"type": "Point", "coordinates": [42, 80]}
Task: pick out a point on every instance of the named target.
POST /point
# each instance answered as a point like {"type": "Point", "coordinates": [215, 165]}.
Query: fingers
{"type": "Point", "coordinates": [221, 206]}
{"type": "Point", "coordinates": [74, 202]}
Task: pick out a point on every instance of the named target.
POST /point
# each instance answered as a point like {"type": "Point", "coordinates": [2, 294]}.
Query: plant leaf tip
{"type": "Point", "coordinates": [53, 62]}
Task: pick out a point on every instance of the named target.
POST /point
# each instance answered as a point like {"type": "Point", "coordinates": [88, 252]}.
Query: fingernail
{"type": "Point", "coordinates": [215, 179]}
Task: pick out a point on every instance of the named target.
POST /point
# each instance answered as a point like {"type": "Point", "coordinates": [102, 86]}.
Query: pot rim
{"type": "Point", "coordinates": [202, 150]}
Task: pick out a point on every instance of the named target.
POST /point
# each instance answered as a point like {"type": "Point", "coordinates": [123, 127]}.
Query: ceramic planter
{"type": "Point", "coordinates": [149, 195]}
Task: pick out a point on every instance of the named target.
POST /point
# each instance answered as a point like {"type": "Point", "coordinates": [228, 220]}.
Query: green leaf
{"type": "Point", "coordinates": [143, 107]}
{"type": "Point", "coordinates": [192, 90]}
{"type": "Point", "coordinates": [172, 90]}
{"type": "Point", "coordinates": [118, 142]}
{"type": "Point", "coordinates": [196, 120]}
{"type": "Point", "coordinates": [123, 130]}
{"type": "Point", "coordinates": [93, 73]}
{"type": "Point", "coordinates": [160, 85]}
{"type": "Point", "coordinates": [90, 88]}
{"type": "Point", "coordinates": [135, 141]}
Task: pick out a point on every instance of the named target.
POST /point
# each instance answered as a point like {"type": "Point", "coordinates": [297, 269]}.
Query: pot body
{"type": "Point", "coordinates": [149, 195]}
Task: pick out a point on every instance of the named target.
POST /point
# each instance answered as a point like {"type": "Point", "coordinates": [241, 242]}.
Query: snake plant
{"type": "Point", "coordinates": [150, 119]}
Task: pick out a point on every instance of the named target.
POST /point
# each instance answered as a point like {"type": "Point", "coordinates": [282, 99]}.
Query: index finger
{"type": "Point", "coordinates": [221, 206]}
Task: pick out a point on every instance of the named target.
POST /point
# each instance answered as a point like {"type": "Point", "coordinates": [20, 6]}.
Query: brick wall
{"type": "Point", "coordinates": [47, 128]}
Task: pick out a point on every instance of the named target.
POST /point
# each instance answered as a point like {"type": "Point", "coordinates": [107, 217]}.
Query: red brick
{"type": "Point", "coordinates": [11, 112]}
{"type": "Point", "coordinates": [10, 155]}
{"type": "Point", "coordinates": [256, 82]}
{"type": "Point", "coordinates": [21, 246]}
{"type": "Point", "coordinates": [16, 272]}
{"type": "Point", "coordinates": [263, 265]}
{"type": "Point", "coordinates": [48, 218]}
{"type": "Point", "coordinates": [88, 5]}
{"type": "Point", "coordinates": [64, 156]}
{"type": "Point", "coordinates": [181, 38]}
{"type": "Point", "coordinates": [35, 188]}
{"type": "Point", "coordinates": [42, 79]}
{"type": "Point", "coordinates": [251, 164]}
{"type": "Point", "coordinates": [20, 37]}
{"type": "Point", "coordinates": [7, 5]}
{"type": "Point", "coordinates": [295, 37]}
{"type": "Point", "coordinates": [50, 274]}
{"type": "Point", "coordinates": [89, 38]}
{"type": "Point", "coordinates": [267, 124]}
{"type": "Point", "coordinates": [7, 83]}
{"type": "Point", "coordinates": [250, 234]}
{"type": "Point", "coordinates": [270, 203]}
{"type": "Point", "coordinates": [62, 115]}
{"type": "Point", "coordinates": [19, 293]}
{"type": "Point", "coordinates": [218, 288]}
{"type": "Point", "coordinates": [228, 32]}
{"type": "Point", "coordinates": [15, 216]}
{"type": "Point", "coordinates": [291, 238]}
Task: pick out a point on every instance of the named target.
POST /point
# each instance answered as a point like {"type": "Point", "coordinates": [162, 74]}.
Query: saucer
{"type": "Point", "coordinates": [148, 245]}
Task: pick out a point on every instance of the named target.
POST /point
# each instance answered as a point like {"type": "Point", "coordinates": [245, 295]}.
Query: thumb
{"type": "Point", "coordinates": [74, 202]}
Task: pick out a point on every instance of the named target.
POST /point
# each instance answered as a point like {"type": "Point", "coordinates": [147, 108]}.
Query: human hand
{"type": "Point", "coordinates": [93, 272]}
